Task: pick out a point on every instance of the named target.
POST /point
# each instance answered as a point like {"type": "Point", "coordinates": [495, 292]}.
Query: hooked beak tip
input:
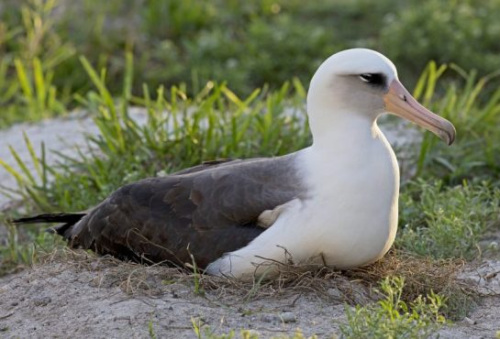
{"type": "Point", "coordinates": [451, 138]}
{"type": "Point", "coordinates": [447, 132]}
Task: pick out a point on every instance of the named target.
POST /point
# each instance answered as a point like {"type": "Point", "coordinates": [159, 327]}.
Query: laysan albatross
{"type": "Point", "coordinates": [335, 201]}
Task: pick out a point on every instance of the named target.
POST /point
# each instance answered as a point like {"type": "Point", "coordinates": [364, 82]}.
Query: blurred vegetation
{"type": "Point", "coordinates": [246, 44]}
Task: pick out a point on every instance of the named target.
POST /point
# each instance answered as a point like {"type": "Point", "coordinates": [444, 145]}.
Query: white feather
{"type": "Point", "coordinates": [350, 214]}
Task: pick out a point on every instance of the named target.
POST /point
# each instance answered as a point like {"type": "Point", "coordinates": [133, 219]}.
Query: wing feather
{"type": "Point", "coordinates": [205, 212]}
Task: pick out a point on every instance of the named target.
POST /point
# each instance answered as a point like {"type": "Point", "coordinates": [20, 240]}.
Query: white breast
{"type": "Point", "coordinates": [352, 211]}
{"type": "Point", "coordinates": [349, 215]}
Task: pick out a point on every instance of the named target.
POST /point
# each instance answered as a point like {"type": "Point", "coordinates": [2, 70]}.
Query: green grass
{"type": "Point", "coordinates": [391, 317]}
{"type": "Point", "coordinates": [181, 131]}
{"type": "Point", "coordinates": [205, 332]}
{"type": "Point", "coordinates": [476, 116]}
{"type": "Point", "coordinates": [151, 330]}
{"type": "Point", "coordinates": [31, 53]}
{"type": "Point", "coordinates": [23, 249]}
{"type": "Point", "coordinates": [447, 222]}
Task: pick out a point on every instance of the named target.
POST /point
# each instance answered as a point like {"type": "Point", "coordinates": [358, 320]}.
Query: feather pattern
{"type": "Point", "coordinates": [206, 211]}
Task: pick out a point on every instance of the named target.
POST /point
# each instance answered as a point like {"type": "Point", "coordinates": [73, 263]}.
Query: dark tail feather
{"type": "Point", "coordinates": [69, 219]}
{"type": "Point", "coordinates": [52, 217]}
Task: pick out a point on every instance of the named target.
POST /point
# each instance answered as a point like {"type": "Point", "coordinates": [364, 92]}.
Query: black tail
{"type": "Point", "coordinates": [67, 219]}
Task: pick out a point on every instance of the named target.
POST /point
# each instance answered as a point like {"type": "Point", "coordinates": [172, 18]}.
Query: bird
{"type": "Point", "coordinates": [334, 202]}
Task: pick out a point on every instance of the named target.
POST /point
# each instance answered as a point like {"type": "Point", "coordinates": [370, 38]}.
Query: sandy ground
{"type": "Point", "coordinates": [75, 298]}
{"type": "Point", "coordinates": [66, 301]}
{"type": "Point", "coordinates": [92, 298]}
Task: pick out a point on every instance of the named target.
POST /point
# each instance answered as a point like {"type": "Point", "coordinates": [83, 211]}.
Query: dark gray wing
{"type": "Point", "coordinates": [206, 212]}
{"type": "Point", "coordinates": [206, 165]}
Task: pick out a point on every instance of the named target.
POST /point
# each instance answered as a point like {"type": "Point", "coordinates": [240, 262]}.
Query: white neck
{"type": "Point", "coordinates": [342, 130]}
{"type": "Point", "coordinates": [346, 143]}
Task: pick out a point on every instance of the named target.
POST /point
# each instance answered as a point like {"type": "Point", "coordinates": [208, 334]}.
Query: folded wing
{"type": "Point", "coordinates": [205, 211]}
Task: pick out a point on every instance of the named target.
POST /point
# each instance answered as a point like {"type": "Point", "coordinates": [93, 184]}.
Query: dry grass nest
{"type": "Point", "coordinates": [353, 287]}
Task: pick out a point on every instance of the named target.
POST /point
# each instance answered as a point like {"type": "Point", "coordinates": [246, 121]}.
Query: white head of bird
{"type": "Point", "coordinates": [356, 86]}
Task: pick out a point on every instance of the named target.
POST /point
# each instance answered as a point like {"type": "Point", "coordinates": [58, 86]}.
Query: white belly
{"type": "Point", "coordinates": [356, 224]}
{"type": "Point", "coordinates": [348, 217]}
{"type": "Point", "coordinates": [352, 228]}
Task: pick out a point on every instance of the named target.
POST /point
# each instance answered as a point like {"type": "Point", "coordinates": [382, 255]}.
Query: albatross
{"type": "Point", "coordinates": [334, 202]}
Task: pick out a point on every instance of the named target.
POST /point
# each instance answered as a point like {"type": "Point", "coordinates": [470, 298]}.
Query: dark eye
{"type": "Point", "coordinates": [375, 79]}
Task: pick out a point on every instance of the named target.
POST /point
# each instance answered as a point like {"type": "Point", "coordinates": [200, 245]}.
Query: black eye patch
{"type": "Point", "coordinates": [374, 79]}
